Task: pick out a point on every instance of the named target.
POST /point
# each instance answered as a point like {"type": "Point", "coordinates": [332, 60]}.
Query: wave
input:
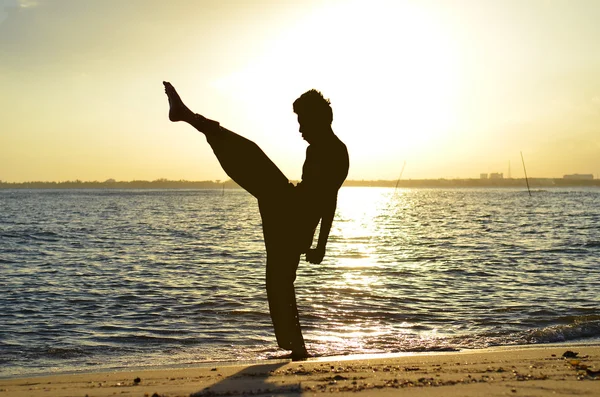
{"type": "Point", "coordinates": [580, 327]}
{"type": "Point", "coordinates": [565, 333]}
{"type": "Point", "coordinates": [28, 235]}
{"type": "Point", "coordinates": [65, 352]}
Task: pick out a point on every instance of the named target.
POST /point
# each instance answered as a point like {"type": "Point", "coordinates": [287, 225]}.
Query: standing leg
{"type": "Point", "coordinates": [282, 303]}
{"type": "Point", "coordinates": [283, 257]}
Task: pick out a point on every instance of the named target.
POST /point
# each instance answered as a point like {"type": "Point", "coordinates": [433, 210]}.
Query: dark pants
{"type": "Point", "coordinates": [246, 164]}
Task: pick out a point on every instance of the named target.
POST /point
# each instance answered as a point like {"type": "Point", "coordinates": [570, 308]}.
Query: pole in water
{"type": "Point", "coordinates": [526, 180]}
{"type": "Point", "coordinates": [400, 177]}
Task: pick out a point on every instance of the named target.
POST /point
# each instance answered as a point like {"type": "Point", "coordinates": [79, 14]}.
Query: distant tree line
{"type": "Point", "coordinates": [112, 184]}
{"type": "Point", "coordinates": [508, 182]}
{"type": "Point", "coordinates": [229, 184]}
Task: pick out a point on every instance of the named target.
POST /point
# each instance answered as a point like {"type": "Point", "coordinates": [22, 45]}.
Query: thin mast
{"type": "Point", "coordinates": [401, 172]}
{"type": "Point", "coordinates": [526, 180]}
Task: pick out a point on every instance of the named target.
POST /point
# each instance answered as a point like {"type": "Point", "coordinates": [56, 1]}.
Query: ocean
{"type": "Point", "coordinates": [101, 279]}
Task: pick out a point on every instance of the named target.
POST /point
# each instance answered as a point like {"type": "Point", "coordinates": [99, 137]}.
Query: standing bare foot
{"type": "Point", "coordinates": [300, 354]}
{"type": "Point", "coordinates": [177, 111]}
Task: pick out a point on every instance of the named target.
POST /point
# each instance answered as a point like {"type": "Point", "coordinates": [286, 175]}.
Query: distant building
{"type": "Point", "coordinates": [496, 175]}
{"type": "Point", "coordinates": [483, 176]}
{"type": "Point", "coordinates": [579, 177]}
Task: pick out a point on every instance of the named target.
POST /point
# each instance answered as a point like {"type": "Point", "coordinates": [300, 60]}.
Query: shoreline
{"type": "Point", "coordinates": [539, 369]}
{"type": "Point", "coordinates": [594, 342]}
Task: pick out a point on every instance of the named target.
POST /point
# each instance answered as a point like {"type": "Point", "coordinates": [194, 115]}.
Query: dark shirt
{"type": "Point", "coordinates": [324, 171]}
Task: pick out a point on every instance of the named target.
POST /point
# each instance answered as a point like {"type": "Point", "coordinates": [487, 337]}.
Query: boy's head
{"type": "Point", "coordinates": [314, 113]}
{"type": "Point", "coordinates": [313, 105]}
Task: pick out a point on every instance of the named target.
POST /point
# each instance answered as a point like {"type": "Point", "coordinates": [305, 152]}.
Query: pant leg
{"type": "Point", "coordinates": [283, 258]}
{"type": "Point", "coordinates": [245, 163]}
{"type": "Point", "coordinates": [281, 273]}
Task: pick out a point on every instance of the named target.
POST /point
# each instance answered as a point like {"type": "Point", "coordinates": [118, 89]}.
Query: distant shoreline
{"type": "Point", "coordinates": [534, 183]}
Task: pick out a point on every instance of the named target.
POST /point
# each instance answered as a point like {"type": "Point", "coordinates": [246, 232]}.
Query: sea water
{"type": "Point", "coordinates": [95, 279]}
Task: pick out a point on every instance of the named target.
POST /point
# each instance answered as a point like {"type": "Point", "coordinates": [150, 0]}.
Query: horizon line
{"type": "Point", "coordinates": [229, 181]}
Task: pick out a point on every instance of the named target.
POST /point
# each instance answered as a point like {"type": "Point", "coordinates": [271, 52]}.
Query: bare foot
{"type": "Point", "coordinates": [177, 111]}
{"type": "Point", "coordinates": [302, 355]}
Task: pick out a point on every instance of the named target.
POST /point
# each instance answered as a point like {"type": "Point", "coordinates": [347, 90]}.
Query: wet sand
{"type": "Point", "coordinates": [517, 371]}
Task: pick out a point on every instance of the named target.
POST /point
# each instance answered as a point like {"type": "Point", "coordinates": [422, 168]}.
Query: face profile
{"type": "Point", "coordinates": [314, 116]}
{"type": "Point", "coordinates": [308, 128]}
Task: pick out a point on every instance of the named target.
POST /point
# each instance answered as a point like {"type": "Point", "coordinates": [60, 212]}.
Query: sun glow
{"type": "Point", "coordinates": [387, 66]}
{"type": "Point", "coordinates": [430, 82]}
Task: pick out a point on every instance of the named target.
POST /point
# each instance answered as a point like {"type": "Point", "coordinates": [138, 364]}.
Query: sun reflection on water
{"type": "Point", "coordinates": [384, 252]}
{"type": "Point", "coordinates": [357, 225]}
{"type": "Point", "coordinates": [353, 279]}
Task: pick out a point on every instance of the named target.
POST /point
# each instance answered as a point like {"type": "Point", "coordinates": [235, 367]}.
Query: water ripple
{"type": "Point", "coordinates": [109, 278]}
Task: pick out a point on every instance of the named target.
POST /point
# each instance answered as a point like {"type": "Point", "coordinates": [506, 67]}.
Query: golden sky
{"type": "Point", "coordinates": [453, 87]}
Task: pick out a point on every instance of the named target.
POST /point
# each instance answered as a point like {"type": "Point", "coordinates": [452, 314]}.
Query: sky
{"type": "Point", "coordinates": [454, 88]}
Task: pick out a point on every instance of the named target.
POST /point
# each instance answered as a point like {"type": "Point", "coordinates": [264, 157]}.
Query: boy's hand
{"type": "Point", "coordinates": [315, 255]}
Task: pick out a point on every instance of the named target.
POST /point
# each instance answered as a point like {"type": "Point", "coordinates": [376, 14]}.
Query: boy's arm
{"type": "Point", "coordinates": [316, 255]}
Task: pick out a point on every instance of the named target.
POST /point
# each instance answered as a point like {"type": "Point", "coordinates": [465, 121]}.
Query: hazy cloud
{"type": "Point", "coordinates": [28, 3]}
{"type": "Point", "coordinates": [5, 8]}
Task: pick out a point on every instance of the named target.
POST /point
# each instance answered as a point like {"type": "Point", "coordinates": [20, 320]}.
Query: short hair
{"type": "Point", "coordinates": [314, 105]}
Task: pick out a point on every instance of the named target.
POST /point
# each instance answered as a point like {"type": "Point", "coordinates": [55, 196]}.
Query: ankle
{"type": "Point", "coordinates": [203, 124]}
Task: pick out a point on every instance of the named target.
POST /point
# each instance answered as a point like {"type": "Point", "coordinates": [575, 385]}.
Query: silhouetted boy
{"type": "Point", "coordinates": [290, 214]}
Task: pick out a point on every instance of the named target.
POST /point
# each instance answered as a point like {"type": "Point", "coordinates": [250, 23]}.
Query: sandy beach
{"type": "Point", "coordinates": [558, 370]}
